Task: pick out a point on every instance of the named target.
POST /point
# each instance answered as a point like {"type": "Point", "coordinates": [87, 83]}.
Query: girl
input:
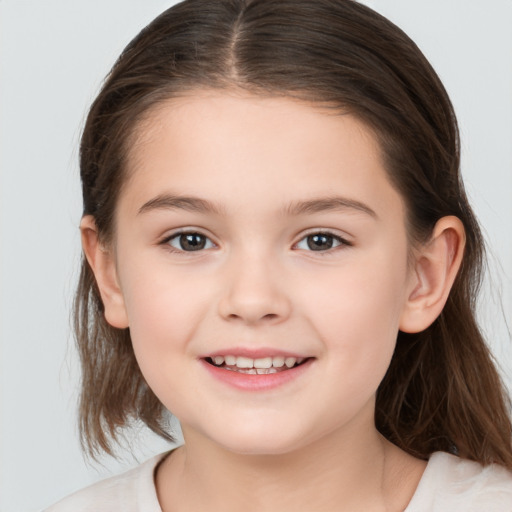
{"type": "Point", "coordinates": [279, 251]}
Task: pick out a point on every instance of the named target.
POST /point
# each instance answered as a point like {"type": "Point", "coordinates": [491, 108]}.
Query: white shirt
{"type": "Point", "coordinates": [449, 484]}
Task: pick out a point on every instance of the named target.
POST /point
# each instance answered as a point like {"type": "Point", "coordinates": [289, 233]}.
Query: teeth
{"type": "Point", "coordinates": [278, 362]}
{"type": "Point", "coordinates": [230, 360]}
{"type": "Point", "coordinates": [263, 363]}
{"type": "Point", "coordinates": [265, 371]}
{"type": "Point", "coordinates": [244, 362]}
{"type": "Point", "coordinates": [290, 361]}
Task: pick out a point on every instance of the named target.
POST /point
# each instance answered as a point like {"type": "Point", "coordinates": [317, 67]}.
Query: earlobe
{"type": "Point", "coordinates": [435, 268]}
{"type": "Point", "coordinates": [102, 263]}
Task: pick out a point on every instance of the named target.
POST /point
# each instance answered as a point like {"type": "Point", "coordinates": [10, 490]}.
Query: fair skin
{"type": "Point", "coordinates": [304, 256]}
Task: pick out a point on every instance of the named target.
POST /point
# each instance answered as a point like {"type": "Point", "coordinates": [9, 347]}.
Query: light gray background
{"type": "Point", "coordinates": [54, 54]}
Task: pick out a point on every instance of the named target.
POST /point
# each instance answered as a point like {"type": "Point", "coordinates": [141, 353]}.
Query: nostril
{"type": "Point", "coordinates": [254, 303]}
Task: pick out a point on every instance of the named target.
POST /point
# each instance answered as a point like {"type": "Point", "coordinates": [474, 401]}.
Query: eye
{"type": "Point", "coordinates": [321, 241]}
{"type": "Point", "coordinates": [188, 241]}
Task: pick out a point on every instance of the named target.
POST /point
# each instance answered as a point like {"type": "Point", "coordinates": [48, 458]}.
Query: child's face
{"type": "Point", "coordinates": [278, 172]}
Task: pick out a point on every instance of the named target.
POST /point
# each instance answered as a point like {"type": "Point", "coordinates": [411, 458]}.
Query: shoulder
{"type": "Point", "coordinates": [451, 483]}
{"type": "Point", "coordinates": [132, 491]}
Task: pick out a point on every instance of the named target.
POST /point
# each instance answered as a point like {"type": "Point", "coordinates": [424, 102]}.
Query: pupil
{"type": "Point", "coordinates": [192, 242]}
{"type": "Point", "coordinates": [319, 242]}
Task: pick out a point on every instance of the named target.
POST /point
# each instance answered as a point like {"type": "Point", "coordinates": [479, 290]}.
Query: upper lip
{"type": "Point", "coordinates": [254, 353]}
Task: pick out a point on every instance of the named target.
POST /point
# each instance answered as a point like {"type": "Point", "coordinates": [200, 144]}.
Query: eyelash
{"type": "Point", "coordinates": [166, 241]}
{"type": "Point", "coordinates": [342, 242]}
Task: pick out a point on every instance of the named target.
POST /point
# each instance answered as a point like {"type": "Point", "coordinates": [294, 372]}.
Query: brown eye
{"type": "Point", "coordinates": [321, 242]}
{"type": "Point", "coordinates": [189, 242]}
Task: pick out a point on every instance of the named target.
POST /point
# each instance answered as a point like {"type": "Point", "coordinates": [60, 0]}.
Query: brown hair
{"type": "Point", "coordinates": [442, 391]}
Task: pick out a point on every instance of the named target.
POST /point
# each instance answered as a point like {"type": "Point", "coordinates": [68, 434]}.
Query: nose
{"type": "Point", "coordinates": [254, 292]}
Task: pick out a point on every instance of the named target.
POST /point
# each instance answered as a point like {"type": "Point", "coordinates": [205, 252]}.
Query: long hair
{"type": "Point", "coordinates": [442, 391]}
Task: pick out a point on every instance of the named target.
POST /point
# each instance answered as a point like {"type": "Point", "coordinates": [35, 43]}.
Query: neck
{"type": "Point", "coordinates": [354, 472]}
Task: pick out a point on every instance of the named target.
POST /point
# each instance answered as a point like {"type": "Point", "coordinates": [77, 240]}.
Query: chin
{"type": "Point", "coordinates": [260, 441]}
{"type": "Point", "coordinates": [261, 449]}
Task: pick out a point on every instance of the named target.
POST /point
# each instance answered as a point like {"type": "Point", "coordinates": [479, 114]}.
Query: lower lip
{"type": "Point", "coordinates": [249, 382]}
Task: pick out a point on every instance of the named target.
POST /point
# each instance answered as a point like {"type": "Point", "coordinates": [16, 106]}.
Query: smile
{"type": "Point", "coordinates": [259, 366]}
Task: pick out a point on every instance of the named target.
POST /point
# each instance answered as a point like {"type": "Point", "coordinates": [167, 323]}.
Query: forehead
{"type": "Point", "coordinates": [242, 149]}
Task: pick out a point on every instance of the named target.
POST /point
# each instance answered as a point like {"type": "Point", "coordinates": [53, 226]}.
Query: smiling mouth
{"type": "Point", "coordinates": [260, 366]}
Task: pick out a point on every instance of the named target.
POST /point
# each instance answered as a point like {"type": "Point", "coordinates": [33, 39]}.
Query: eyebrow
{"type": "Point", "coordinates": [198, 205]}
{"type": "Point", "coordinates": [331, 203]}
{"type": "Point", "coordinates": [174, 202]}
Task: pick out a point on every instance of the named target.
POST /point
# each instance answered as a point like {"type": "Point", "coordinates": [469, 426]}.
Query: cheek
{"type": "Point", "coordinates": [359, 296]}
{"type": "Point", "coordinates": [356, 312]}
{"type": "Point", "coordinates": [164, 313]}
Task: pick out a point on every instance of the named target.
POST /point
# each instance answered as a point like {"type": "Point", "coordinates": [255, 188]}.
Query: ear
{"type": "Point", "coordinates": [436, 265]}
{"type": "Point", "coordinates": [102, 262]}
